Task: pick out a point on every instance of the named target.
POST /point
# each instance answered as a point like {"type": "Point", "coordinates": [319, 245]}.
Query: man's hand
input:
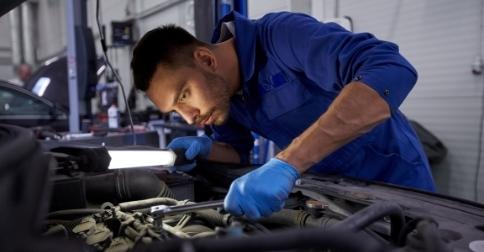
{"type": "Point", "coordinates": [194, 147]}
{"type": "Point", "coordinates": [262, 191]}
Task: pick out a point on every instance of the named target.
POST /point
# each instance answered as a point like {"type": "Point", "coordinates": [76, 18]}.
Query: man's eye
{"type": "Point", "coordinates": [183, 96]}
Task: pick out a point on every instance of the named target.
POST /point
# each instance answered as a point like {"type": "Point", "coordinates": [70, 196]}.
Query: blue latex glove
{"type": "Point", "coordinates": [194, 146]}
{"type": "Point", "coordinates": [262, 191]}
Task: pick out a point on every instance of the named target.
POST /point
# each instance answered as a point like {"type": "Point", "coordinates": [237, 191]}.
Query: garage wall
{"type": "Point", "coordinates": [6, 69]}
{"type": "Point", "coordinates": [50, 24]}
{"type": "Point", "coordinates": [441, 38]}
{"type": "Point", "coordinates": [257, 8]}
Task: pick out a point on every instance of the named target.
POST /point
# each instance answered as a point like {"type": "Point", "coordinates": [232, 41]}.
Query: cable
{"type": "Point", "coordinates": [481, 120]}
{"type": "Point", "coordinates": [116, 76]}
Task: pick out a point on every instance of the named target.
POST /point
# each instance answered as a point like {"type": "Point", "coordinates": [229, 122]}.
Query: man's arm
{"type": "Point", "coordinates": [222, 152]}
{"type": "Point", "coordinates": [356, 110]}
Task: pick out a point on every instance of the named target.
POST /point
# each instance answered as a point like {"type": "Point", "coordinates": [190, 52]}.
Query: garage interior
{"type": "Point", "coordinates": [84, 157]}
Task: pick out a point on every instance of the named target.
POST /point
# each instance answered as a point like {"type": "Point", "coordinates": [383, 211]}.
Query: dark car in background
{"type": "Point", "coordinates": [21, 107]}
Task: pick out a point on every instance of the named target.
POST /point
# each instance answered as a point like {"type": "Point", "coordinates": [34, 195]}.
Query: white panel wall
{"type": "Point", "coordinates": [6, 69]}
{"type": "Point", "coordinates": [51, 29]}
{"type": "Point", "coordinates": [181, 14]}
{"type": "Point", "coordinates": [257, 8]}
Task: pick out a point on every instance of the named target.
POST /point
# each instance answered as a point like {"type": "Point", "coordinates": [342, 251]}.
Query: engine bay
{"type": "Point", "coordinates": [62, 200]}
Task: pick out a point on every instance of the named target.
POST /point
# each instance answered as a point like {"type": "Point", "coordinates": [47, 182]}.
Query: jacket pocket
{"type": "Point", "coordinates": [284, 98]}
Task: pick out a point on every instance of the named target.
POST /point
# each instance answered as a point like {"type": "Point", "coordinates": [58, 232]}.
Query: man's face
{"type": "Point", "coordinates": [199, 96]}
{"type": "Point", "coordinates": [24, 72]}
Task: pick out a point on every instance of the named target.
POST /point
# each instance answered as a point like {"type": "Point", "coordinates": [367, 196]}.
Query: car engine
{"type": "Point", "coordinates": [62, 200]}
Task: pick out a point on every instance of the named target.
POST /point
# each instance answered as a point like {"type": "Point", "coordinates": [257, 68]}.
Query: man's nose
{"type": "Point", "coordinates": [188, 113]}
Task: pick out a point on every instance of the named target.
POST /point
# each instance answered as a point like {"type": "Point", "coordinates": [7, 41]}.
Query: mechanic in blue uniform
{"type": "Point", "coordinates": [327, 97]}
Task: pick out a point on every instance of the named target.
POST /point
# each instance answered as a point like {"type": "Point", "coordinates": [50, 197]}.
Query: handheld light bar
{"type": "Point", "coordinates": [121, 159]}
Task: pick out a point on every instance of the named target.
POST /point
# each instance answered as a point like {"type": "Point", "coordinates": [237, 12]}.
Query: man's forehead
{"type": "Point", "coordinates": [163, 87]}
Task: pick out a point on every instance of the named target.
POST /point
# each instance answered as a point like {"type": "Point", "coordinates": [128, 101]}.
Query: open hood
{"type": "Point", "coordinates": [7, 5]}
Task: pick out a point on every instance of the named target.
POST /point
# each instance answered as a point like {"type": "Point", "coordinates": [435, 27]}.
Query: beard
{"type": "Point", "coordinates": [220, 94]}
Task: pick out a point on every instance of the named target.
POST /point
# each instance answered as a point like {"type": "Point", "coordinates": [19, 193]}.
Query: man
{"type": "Point", "coordinates": [329, 98]}
{"type": "Point", "coordinates": [23, 72]}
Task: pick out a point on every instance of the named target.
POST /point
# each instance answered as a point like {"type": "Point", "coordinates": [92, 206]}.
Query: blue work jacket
{"type": "Point", "coordinates": [293, 67]}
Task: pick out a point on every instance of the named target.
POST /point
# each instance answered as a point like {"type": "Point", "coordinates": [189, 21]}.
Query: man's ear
{"type": "Point", "coordinates": [205, 58]}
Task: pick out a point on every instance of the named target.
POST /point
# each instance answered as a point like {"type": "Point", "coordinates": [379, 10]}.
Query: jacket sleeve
{"type": "Point", "coordinates": [332, 57]}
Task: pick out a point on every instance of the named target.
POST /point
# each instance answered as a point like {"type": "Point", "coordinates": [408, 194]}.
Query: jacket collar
{"type": "Point", "coordinates": [245, 44]}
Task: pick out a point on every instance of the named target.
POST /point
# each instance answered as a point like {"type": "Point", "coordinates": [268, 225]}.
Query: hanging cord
{"type": "Point", "coordinates": [116, 76]}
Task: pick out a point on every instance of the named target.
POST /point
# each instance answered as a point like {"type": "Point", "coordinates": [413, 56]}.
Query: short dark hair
{"type": "Point", "coordinates": [169, 45]}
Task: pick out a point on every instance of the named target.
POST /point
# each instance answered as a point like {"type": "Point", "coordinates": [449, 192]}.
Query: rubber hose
{"type": "Point", "coordinates": [299, 218]}
{"type": "Point", "coordinates": [287, 217]}
{"type": "Point", "coordinates": [372, 213]}
{"type": "Point", "coordinates": [125, 185]}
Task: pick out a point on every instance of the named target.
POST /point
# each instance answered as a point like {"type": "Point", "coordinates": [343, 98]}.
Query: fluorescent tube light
{"type": "Point", "coordinates": [140, 158]}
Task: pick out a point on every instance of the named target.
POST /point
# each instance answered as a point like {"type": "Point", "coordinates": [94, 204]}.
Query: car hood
{"type": "Point", "coordinates": [7, 5]}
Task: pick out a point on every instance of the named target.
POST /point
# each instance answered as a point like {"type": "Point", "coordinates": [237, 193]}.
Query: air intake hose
{"type": "Point", "coordinates": [125, 185]}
